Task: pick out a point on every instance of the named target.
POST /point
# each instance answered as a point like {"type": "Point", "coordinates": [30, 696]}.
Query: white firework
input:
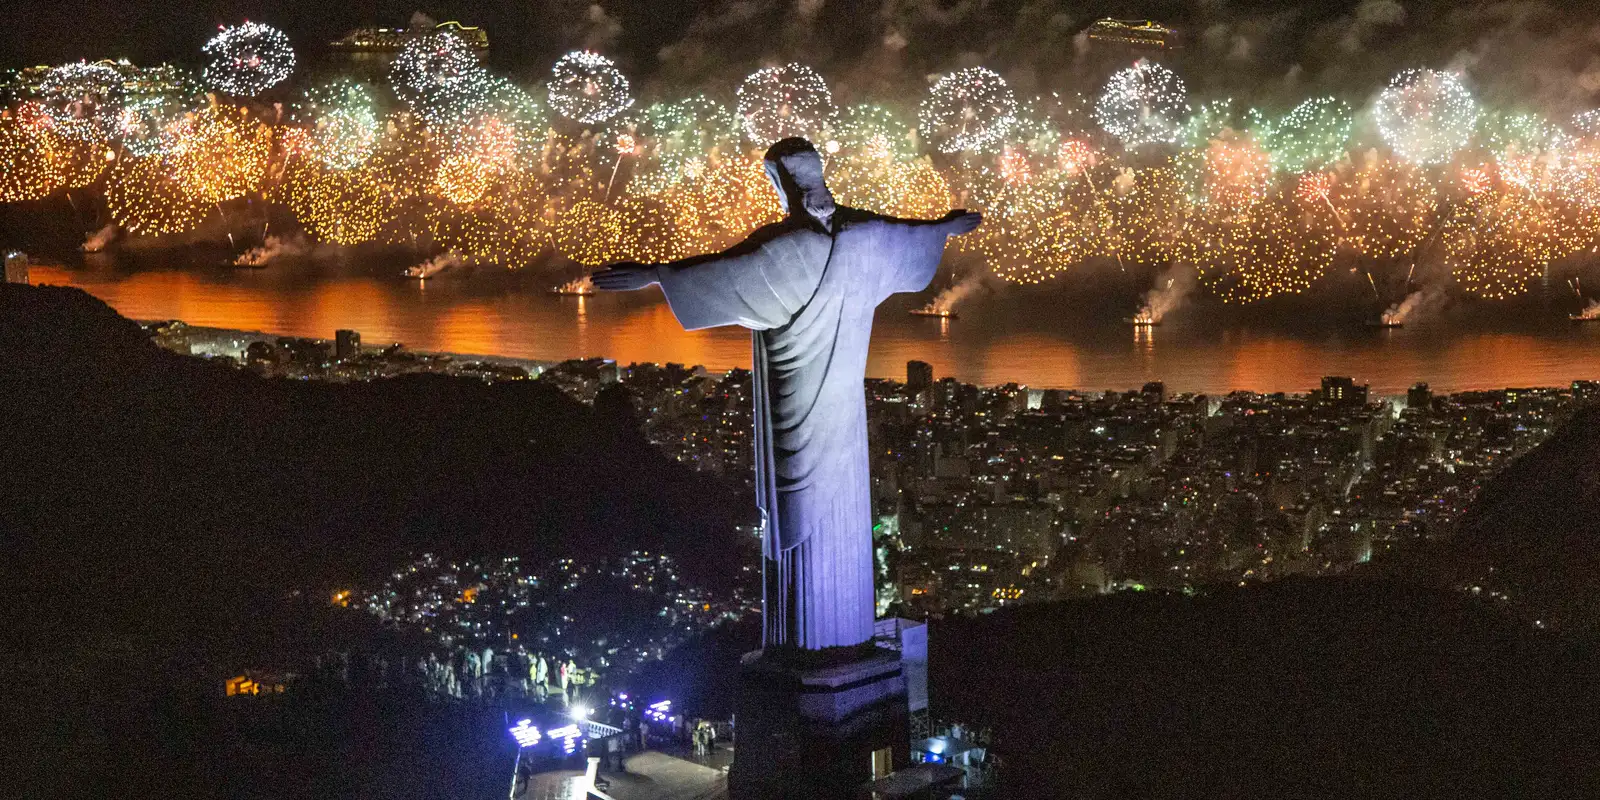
{"type": "Point", "coordinates": [144, 126]}
{"type": "Point", "coordinates": [82, 99]}
{"type": "Point", "coordinates": [779, 102]}
{"type": "Point", "coordinates": [345, 125]}
{"type": "Point", "coordinates": [440, 78]}
{"type": "Point", "coordinates": [588, 88]}
{"type": "Point", "coordinates": [248, 59]}
{"type": "Point", "coordinates": [1425, 115]}
{"type": "Point", "coordinates": [1587, 123]}
{"type": "Point", "coordinates": [1143, 104]}
{"type": "Point", "coordinates": [969, 109]}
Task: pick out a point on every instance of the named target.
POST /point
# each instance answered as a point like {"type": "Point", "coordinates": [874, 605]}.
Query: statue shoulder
{"type": "Point", "coordinates": [790, 232]}
{"type": "Point", "coordinates": [847, 217]}
{"type": "Point", "coordinates": [867, 221]}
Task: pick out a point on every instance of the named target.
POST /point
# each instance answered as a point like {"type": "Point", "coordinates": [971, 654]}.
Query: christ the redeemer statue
{"type": "Point", "coordinates": [807, 287]}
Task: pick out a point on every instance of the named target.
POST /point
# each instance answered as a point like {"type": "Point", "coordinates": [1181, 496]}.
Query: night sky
{"type": "Point", "coordinates": [1524, 51]}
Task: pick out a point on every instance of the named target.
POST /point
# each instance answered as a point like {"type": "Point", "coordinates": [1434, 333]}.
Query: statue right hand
{"type": "Point", "coordinates": [625, 276]}
{"type": "Point", "coordinates": [961, 221]}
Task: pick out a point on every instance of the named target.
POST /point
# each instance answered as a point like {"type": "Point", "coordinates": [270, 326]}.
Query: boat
{"type": "Point", "coordinates": [1142, 322]}
{"type": "Point", "coordinates": [932, 312]}
{"type": "Point", "coordinates": [1137, 33]}
{"type": "Point", "coordinates": [582, 287]}
{"type": "Point", "coordinates": [1584, 317]}
{"type": "Point", "coordinates": [1378, 323]}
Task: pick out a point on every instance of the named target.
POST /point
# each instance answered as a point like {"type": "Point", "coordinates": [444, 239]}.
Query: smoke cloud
{"type": "Point", "coordinates": [1416, 306]}
{"type": "Point", "coordinates": [96, 241]}
{"type": "Point", "coordinates": [945, 302]}
{"type": "Point", "coordinates": [273, 249]}
{"type": "Point", "coordinates": [436, 265]}
{"type": "Point", "coordinates": [1168, 295]}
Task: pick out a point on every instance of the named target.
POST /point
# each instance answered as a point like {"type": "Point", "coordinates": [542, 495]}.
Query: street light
{"type": "Point", "coordinates": [569, 736]}
{"type": "Point", "coordinates": [526, 736]}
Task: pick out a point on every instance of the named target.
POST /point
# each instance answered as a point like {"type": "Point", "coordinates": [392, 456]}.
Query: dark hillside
{"type": "Point", "coordinates": [1304, 688]}
{"type": "Point", "coordinates": [144, 489]}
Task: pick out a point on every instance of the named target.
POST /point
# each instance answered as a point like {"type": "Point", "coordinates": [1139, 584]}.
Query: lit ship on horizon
{"type": "Point", "coordinates": [579, 287]}
{"type": "Point", "coordinates": [1144, 319]}
{"type": "Point", "coordinates": [932, 310]}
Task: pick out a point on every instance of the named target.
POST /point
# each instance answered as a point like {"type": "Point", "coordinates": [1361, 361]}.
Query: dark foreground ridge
{"type": "Point", "coordinates": [159, 512]}
{"type": "Point", "coordinates": [1302, 688]}
{"type": "Point", "coordinates": [1398, 681]}
{"type": "Point", "coordinates": [1531, 540]}
{"type": "Point", "coordinates": [1463, 668]}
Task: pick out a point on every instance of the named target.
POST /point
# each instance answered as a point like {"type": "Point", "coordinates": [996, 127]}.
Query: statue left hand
{"type": "Point", "coordinates": [960, 221]}
{"type": "Point", "coordinates": [626, 276]}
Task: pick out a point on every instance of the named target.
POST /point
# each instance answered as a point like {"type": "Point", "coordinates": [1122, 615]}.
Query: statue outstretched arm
{"type": "Point", "coordinates": [734, 287]}
{"type": "Point", "coordinates": [628, 276]}
{"type": "Point", "coordinates": [918, 245]}
{"type": "Point", "coordinates": [955, 223]}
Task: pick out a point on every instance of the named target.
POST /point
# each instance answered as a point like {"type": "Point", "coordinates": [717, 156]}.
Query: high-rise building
{"type": "Point", "coordinates": [1156, 390]}
{"type": "Point", "coordinates": [1419, 396]}
{"type": "Point", "coordinates": [16, 267]}
{"type": "Point", "coordinates": [919, 375]}
{"type": "Point", "coordinates": [1586, 391]}
{"type": "Point", "coordinates": [1341, 390]}
{"type": "Point", "coordinates": [346, 344]}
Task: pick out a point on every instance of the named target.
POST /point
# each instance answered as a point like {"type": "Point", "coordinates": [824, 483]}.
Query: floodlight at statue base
{"type": "Point", "coordinates": [808, 733]}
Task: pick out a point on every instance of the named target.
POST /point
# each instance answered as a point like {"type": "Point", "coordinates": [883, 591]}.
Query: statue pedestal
{"type": "Point", "coordinates": [818, 732]}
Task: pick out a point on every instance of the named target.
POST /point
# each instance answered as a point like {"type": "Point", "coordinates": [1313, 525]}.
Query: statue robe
{"type": "Point", "coordinates": [809, 294]}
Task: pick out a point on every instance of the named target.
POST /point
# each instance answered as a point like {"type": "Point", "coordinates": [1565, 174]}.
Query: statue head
{"type": "Point", "coordinates": [796, 172]}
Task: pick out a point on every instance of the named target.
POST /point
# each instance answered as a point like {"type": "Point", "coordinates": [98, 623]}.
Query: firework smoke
{"type": "Point", "coordinates": [96, 241]}
{"type": "Point", "coordinates": [945, 303]}
{"type": "Point", "coordinates": [274, 248]}
{"type": "Point", "coordinates": [1417, 305]}
{"type": "Point", "coordinates": [583, 285]}
{"type": "Point", "coordinates": [1166, 297]}
{"type": "Point", "coordinates": [433, 266]}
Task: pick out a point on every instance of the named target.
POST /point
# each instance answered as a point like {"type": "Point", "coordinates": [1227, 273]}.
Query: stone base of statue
{"type": "Point", "coordinates": [808, 728]}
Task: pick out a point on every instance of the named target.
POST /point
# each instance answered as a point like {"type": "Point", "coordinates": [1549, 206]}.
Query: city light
{"type": "Point", "coordinates": [659, 711]}
{"type": "Point", "coordinates": [569, 735]}
{"type": "Point", "coordinates": [525, 734]}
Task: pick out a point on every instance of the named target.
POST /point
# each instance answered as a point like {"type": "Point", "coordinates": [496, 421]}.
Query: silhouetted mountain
{"type": "Point", "coordinates": [1304, 688]}
{"type": "Point", "coordinates": [143, 489]}
{"type": "Point", "coordinates": [1401, 681]}
{"type": "Point", "coordinates": [165, 518]}
{"type": "Point", "coordinates": [1530, 541]}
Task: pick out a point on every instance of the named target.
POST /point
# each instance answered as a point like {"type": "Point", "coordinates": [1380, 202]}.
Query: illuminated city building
{"type": "Point", "coordinates": [1419, 397]}
{"type": "Point", "coordinates": [251, 683]}
{"type": "Point", "coordinates": [1343, 391]}
{"type": "Point", "coordinates": [16, 267]}
{"type": "Point", "coordinates": [347, 344]}
{"type": "Point", "coordinates": [919, 375]}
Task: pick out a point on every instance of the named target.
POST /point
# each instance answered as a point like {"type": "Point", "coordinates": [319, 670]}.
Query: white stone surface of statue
{"type": "Point", "coordinates": [807, 287]}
